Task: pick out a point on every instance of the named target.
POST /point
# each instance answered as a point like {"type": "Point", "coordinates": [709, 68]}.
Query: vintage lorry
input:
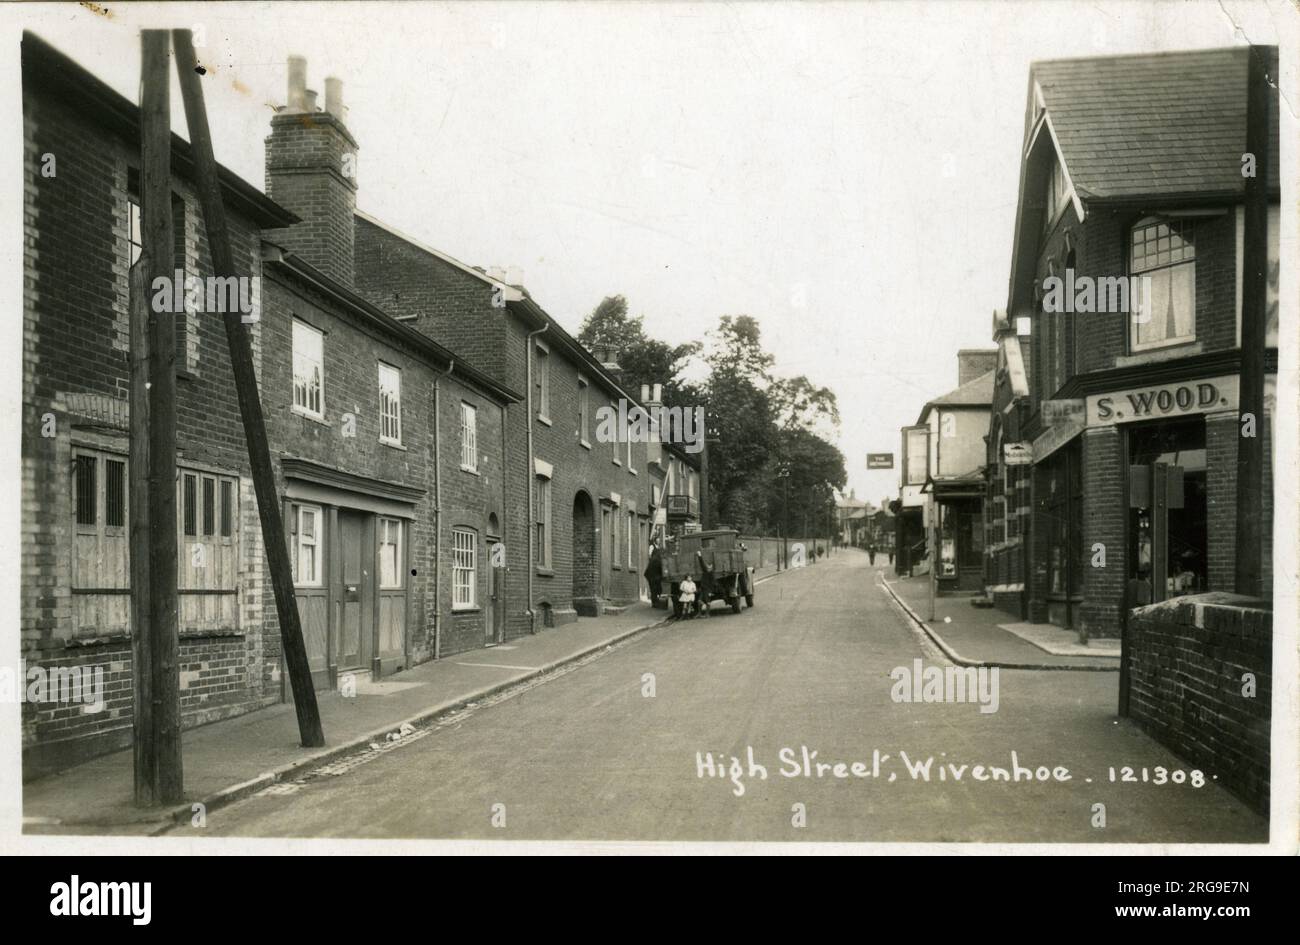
{"type": "Point", "coordinates": [715, 561]}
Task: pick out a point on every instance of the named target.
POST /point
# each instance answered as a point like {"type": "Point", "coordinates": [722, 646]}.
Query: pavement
{"type": "Point", "coordinates": [637, 744]}
{"type": "Point", "coordinates": [973, 636]}
{"type": "Point", "coordinates": [227, 760]}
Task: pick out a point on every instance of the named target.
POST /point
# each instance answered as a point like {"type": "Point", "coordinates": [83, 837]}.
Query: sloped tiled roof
{"type": "Point", "coordinates": [1169, 123]}
{"type": "Point", "coordinates": [974, 393]}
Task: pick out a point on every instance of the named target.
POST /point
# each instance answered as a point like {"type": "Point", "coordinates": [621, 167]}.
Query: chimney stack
{"type": "Point", "coordinates": [311, 161]}
{"type": "Point", "coordinates": [297, 84]}
{"type": "Point", "coordinates": [975, 362]}
{"type": "Point", "coordinates": [334, 98]}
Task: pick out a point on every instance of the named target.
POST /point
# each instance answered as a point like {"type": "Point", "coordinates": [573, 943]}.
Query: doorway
{"type": "Point", "coordinates": [495, 611]}
{"type": "Point", "coordinates": [356, 590]}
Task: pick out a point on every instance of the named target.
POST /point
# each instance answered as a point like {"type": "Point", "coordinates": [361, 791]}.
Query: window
{"type": "Point", "coordinates": [542, 382]}
{"type": "Point", "coordinates": [227, 507]}
{"type": "Point", "coordinates": [114, 493]}
{"type": "Point", "coordinates": [87, 494]}
{"type": "Point", "coordinates": [614, 451]}
{"type": "Point", "coordinates": [1057, 195]}
{"type": "Point", "coordinates": [584, 412]}
{"type": "Point", "coordinates": [464, 569]}
{"type": "Point", "coordinates": [307, 551]}
{"type": "Point", "coordinates": [189, 504]}
{"type": "Point", "coordinates": [308, 370]}
{"type": "Point", "coordinates": [628, 433]}
{"type": "Point", "coordinates": [916, 455]}
{"type": "Point", "coordinates": [390, 404]}
{"type": "Point", "coordinates": [468, 437]}
{"type": "Point", "coordinates": [209, 506]}
{"type": "Point", "coordinates": [1163, 255]}
{"type": "Point", "coordinates": [542, 522]}
{"type": "Point", "coordinates": [134, 235]}
{"type": "Point", "coordinates": [390, 553]}
{"type": "Point", "coordinates": [630, 538]}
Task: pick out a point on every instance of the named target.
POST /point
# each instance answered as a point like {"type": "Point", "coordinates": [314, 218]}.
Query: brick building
{"type": "Point", "coordinates": [80, 236]}
{"type": "Point", "coordinates": [1131, 176]}
{"type": "Point", "coordinates": [389, 446]}
{"type": "Point", "coordinates": [590, 499]}
{"type": "Point", "coordinates": [1006, 464]}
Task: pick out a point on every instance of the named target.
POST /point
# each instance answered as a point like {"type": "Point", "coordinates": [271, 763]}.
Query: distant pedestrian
{"type": "Point", "coordinates": [871, 553]}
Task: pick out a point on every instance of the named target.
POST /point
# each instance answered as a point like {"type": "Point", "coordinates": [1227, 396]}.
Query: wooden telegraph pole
{"type": "Point", "coordinates": [250, 406]}
{"type": "Point", "coordinates": [1254, 315]}
{"type": "Point", "coordinates": [156, 237]}
{"type": "Point", "coordinates": [141, 637]}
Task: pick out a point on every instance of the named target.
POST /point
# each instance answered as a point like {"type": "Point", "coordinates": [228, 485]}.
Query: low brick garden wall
{"type": "Point", "coordinates": [1188, 659]}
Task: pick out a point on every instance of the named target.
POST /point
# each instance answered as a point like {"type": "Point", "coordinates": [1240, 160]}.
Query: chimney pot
{"type": "Point", "coordinates": [297, 83]}
{"type": "Point", "coordinates": [659, 393]}
{"type": "Point", "coordinates": [645, 393]}
{"type": "Point", "coordinates": [334, 97]}
{"type": "Point", "coordinates": [309, 103]}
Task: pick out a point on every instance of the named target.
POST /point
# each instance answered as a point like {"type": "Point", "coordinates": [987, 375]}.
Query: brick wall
{"type": "Point", "coordinates": [307, 158]}
{"type": "Point", "coordinates": [75, 386]}
{"type": "Point", "coordinates": [1187, 659]}
{"type": "Point", "coordinates": [1103, 523]}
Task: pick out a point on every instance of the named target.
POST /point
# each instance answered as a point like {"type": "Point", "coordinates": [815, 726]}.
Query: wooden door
{"type": "Point", "coordinates": [356, 590]}
{"type": "Point", "coordinates": [606, 549]}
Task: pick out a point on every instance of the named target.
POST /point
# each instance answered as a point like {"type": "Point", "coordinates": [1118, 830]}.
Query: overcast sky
{"type": "Point", "coordinates": [846, 173]}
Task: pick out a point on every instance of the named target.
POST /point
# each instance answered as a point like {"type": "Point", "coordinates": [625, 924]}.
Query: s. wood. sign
{"type": "Point", "coordinates": [1210, 395]}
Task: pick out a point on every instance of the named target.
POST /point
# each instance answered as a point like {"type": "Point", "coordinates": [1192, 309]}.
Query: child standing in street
{"type": "Point", "coordinates": [686, 595]}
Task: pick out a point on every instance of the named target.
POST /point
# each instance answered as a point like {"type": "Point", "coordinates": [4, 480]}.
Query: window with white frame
{"type": "Point", "coordinates": [542, 381]}
{"type": "Point", "coordinates": [390, 404]}
{"type": "Point", "coordinates": [308, 370]}
{"type": "Point", "coordinates": [390, 553]}
{"type": "Point", "coordinates": [464, 569]}
{"type": "Point", "coordinates": [584, 411]}
{"type": "Point", "coordinates": [542, 521]}
{"type": "Point", "coordinates": [307, 570]}
{"type": "Point", "coordinates": [468, 437]}
{"type": "Point", "coordinates": [1162, 254]}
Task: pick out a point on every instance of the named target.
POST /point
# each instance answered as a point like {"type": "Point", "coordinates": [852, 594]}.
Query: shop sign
{"type": "Point", "coordinates": [1017, 454]}
{"type": "Point", "coordinates": [1166, 400]}
{"type": "Point", "coordinates": [1060, 412]}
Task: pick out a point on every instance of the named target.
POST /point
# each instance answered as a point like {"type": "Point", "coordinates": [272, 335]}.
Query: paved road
{"type": "Point", "coordinates": [589, 756]}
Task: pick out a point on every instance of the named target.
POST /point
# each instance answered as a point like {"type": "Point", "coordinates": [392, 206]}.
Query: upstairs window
{"type": "Point", "coordinates": [468, 437]}
{"type": "Point", "coordinates": [542, 382]}
{"type": "Point", "coordinates": [308, 370]}
{"type": "Point", "coordinates": [584, 411]}
{"type": "Point", "coordinates": [390, 404]}
{"type": "Point", "coordinates": [1162, 255]}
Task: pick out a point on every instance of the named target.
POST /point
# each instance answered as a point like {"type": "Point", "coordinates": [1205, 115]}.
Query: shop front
{"type": "Point", "coordinates": [350, 544]}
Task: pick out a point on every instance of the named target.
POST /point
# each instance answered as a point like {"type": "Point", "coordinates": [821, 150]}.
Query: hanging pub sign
{"type": "Point", "coordinates": [880, 460]}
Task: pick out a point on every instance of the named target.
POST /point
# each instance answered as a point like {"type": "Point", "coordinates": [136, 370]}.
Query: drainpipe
{"type": "Point", "coordinates": [528, 480]}
{"type": "Point", "coordinates": [437, 508]}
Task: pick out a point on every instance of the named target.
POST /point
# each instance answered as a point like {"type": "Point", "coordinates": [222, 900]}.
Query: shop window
{"type": "Point", "coordinates": [1162, 253]}
{"type": "Point", "coordinates": [390, 553]}
{"type": "Point", "coordinates": [307, 571]}
{"type": "Point", "coordinates": [1175, 444]}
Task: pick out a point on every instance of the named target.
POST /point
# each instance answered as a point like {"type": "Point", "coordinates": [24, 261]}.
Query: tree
{"type": "Point", "coordinates": [643, 359]}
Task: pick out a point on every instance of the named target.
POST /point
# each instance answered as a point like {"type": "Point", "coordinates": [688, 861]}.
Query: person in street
{"type": "Point", "coordinates": [871, 553]}
{"type": "Point", "coordinates": [654, 573]}
{"type": "Point", "coordinates": [686, 595]}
